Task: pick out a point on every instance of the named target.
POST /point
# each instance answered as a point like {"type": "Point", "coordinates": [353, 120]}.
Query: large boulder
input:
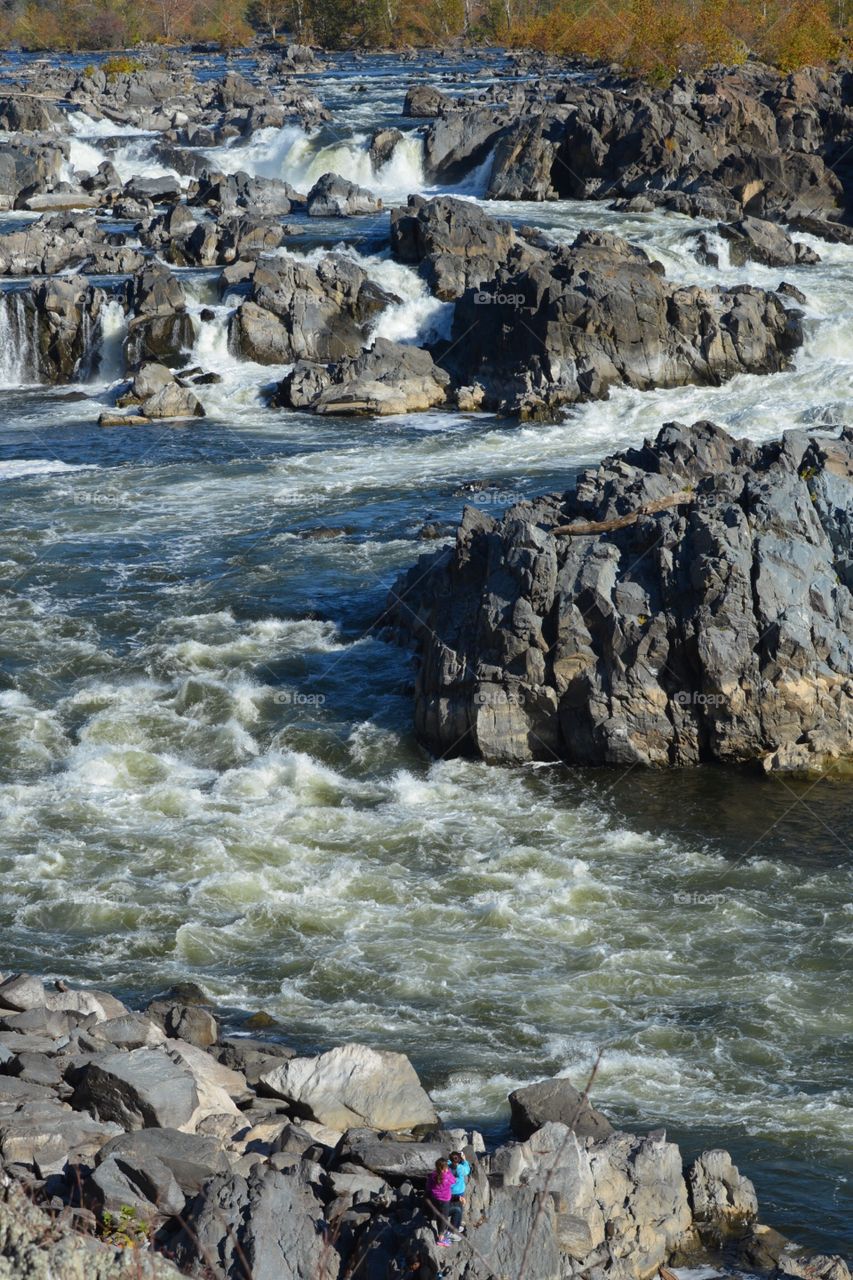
{"type": "Point", "coordinates": [553, 634]}
{"type": "Point", "coordinates": [145, 1088]}
{"type": "Point", "coordinates": [390, 377]}
{"type": "Point", "coordinates": [298, 310]}
{"type": "Point", "coordinates": [557, 1100]}
{"type": "Point", "coordinates": [757, 240]}
{"type": "Point", "coordinates": [160, 328]}
{"type": "Point", "coordinates": [353, 1086]}
{"type": "Point", "coordinates": [334, 197]}
{"type": "Point", "coordinates": [192, 1158]}
{"type": "Point", "coordinates": [456, 245]}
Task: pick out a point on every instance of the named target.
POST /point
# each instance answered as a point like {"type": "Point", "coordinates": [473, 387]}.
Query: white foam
{"type": "Point", "coordinates": [15, 468]}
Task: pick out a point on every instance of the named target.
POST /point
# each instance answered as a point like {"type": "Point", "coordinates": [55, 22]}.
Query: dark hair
{"type": "Point", "coordinates": [440, 1164]}
{"type": "Point", "coordinates": [456, 1155]}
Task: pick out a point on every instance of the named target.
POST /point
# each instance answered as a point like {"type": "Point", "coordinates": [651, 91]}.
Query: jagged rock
{"type": "Point", "coordinates": [46, 1136]}
{"type": "Point", "coordinates": [557, 324]}
{"type": "Point", "coordinates": [723, 1200]}
{"type": "Point", "coordinates": [192, 1158]}
{"type": "Point", "coordinates": [335, 197]}
{"type": "Point", "coordinates": [270, 1223]}
{"type": "Point", "coordinates": [353, 1085]}
{"type": "Point", "coordinates": [389, 378]}
{"type": "Point", "coordinates": [30, 114]}
{"type": "Point", "coordinates": [28, 166]}
{"type": "Point", "coordinates": [187, 1022]}
{"type": "Point", "coordinates": [555, 1099]}
{"type": "Point", "coordinates": [393, 1159]}
{"type": "Point", "coordinates": [160, 328]}
{"type": "Point", "coordinates": [536, 645]}
{"type": "Point", "coordinates": [756, 240]}
{"type": "Point", "coordinates": [142, 1183]}
{"type": "Point", "coordinates": [22, 992]}
{"type": "Point", "coordinates": [301, 311]}
{"type": "Point", "coordinates": [456, 245]}
{"type": "Point", "coordinates": [383, 144]}
{"type": "Point", "coordinates": [251, 1057]}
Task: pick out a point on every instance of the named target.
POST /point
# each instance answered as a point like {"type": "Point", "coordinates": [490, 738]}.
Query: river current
{"type": "Point", "coordinates": [207, 769]}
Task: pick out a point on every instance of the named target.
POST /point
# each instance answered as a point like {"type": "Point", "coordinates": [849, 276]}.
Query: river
{"type": "Point", "coordinates": [208, 771]}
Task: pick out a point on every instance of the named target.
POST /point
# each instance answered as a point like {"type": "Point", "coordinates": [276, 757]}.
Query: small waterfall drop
{"type": "Point", "coordinates": [18, 341]}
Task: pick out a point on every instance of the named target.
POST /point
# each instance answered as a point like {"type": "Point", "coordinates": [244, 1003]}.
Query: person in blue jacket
{"type": "Point", "coordinates": [461, 1170]}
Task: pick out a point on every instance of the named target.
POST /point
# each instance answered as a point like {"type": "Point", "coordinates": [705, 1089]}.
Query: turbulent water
{"type": "Point", "coordinates": [207, 769]}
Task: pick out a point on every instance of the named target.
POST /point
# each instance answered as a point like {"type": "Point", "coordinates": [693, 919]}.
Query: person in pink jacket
{"type": "Point", "coordinates": [439, 1189]}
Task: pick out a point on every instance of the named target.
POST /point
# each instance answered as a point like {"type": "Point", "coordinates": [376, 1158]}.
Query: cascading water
{"type": "Point", "coordinates": [300, 158]}
{"type": "Point", "coordinates": [109, 350]}
{"type": "Point", "coordinates": [18, 341]}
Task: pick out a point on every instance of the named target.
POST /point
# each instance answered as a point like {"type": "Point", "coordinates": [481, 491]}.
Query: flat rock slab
{"type": "Point", "coordinates": [138, 1090]}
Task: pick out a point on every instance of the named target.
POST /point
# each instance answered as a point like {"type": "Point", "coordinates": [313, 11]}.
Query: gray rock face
{"type": "Point", "coordinates": [538, 325]}
{"type": "Point", "coordinates": [335, 197]}
{"type": "Point", "coordinates": [160, 328]}
{"type": "Point", "coordinates": [455, 244]}
{"type": "Point", "coordinates": [756, 240]}
{"type": "Point", "coordinates": [720, 145]}
{"type": "Point", "coordinates": [353, 1086]}
{"type": "Point", "coordinates": [556, 1099]}
{"type": "Point", "coordinates": [717, 627]}
{"type": "Point", "coordinates": [141, 1089]}
{"type": "Point", "coordinates": [192, 1158]}
{"type": "Point", "coordinates": [55, 325]}
{"type": "Point", "coordinates": [29, 165]}
{"type": "Point", "coordinates": [299, 311]}
{"type": "Point", "coordinates": [389, 378]}
{"type": "Point", "coordinates": [274, 1226]}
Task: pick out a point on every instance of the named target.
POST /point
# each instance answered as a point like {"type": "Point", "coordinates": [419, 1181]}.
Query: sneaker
{"type": "Point", "coordinates": [443, 1242]}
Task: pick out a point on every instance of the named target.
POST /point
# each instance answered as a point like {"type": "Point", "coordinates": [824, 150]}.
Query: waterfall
{"type": "Point", "coordinates": [19, 363]}
{"type": "Point", "coordinates": [112, 331]}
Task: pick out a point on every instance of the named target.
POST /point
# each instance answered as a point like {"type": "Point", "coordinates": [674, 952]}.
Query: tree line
{"type": "Point", "coordinates": [655, 38]}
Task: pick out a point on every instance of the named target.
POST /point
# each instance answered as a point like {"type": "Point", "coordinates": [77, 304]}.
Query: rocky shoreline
{"type": "Point", "coordinates": [151, 1144]}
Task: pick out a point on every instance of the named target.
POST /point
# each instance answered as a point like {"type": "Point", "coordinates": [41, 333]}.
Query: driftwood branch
{"type": "Point", "coordinates": [582, 528]}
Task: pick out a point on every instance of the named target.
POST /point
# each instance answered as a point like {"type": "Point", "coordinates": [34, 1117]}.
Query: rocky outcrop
{"type": "Point", "coordinates": [336, 197]}
{"type": "Point", "coordinates": [29, 165]}
{"type": "Point", "coordinates": [54, 326]}
{"type": "Point", "coordinates": [756, 240]}
{"type": "Point", "coordinates": [388, 378]}
{"type": "Point", "coordinates": [56, 243]}
{"type": "Point", "coordinates": [721, 144]}
{"type": "Point", "coordinates": [687, 601]}
{"type": "Point", "coordinates": [160, 328]}
{"type": "Point", "coordinates": [301, 311]}
{"type": "Point", "coordinates": [538, 325]}
{"type": "Point", "coordinates": [318, 1169]}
